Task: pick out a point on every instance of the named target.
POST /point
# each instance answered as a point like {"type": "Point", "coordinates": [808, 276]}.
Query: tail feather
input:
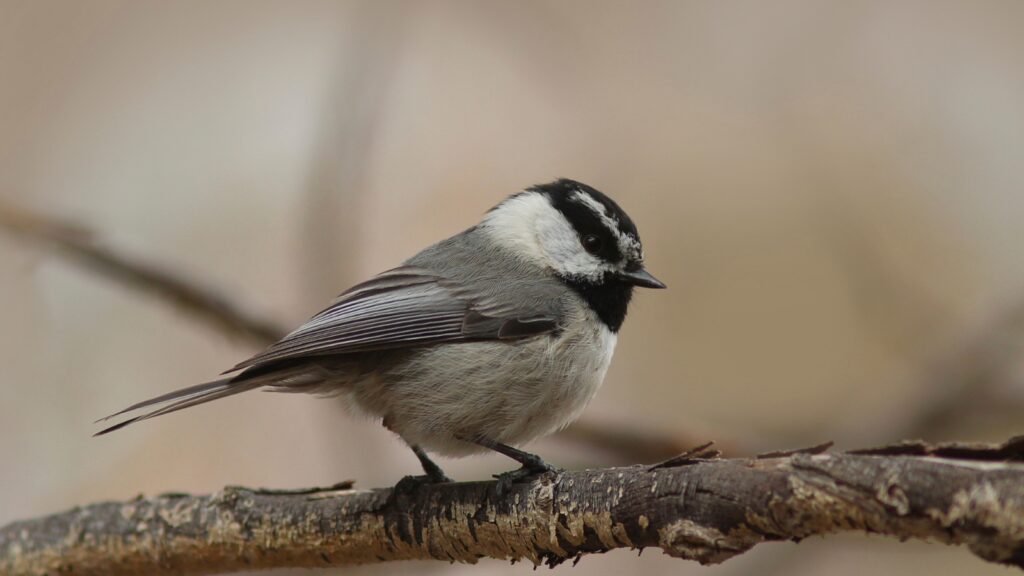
{"type": "Point", "coordinates": [189, 391]}
{"type": "Point", "coordinates": [181, 399]}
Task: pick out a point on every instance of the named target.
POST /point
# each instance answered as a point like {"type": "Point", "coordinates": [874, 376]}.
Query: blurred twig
{"type": "Point", "coordinates": [79, 244]}
{"type": "Point", "coordinates": [628, 443]}
{"type": "Point", "coordinates": [980, 374]}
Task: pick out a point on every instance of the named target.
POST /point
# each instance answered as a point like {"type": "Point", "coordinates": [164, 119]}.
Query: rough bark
{"type": "Point", "coordinates": [695, 506]}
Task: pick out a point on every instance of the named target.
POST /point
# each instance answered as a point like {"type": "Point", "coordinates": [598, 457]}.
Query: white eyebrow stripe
{"type": "Point", "coordinates": [597, 208]}
{"type": "Point", "coordinates": [629, 245]}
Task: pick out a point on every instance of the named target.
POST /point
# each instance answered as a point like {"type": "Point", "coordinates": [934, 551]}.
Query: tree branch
{"type": "Point", "coordinates": [694, 507]}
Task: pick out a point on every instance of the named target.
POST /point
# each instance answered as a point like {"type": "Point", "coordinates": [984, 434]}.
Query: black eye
{"type": "Point", "coordinates": [592, 243]}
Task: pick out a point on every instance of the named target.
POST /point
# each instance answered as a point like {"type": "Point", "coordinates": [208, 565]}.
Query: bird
{"type": "Point", "coordinates": [484, 341]}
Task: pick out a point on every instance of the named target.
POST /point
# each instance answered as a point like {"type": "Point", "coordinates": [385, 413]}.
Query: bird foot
{"type": "Point", "coordinates": [410, 484]}
{"type": "Point", "coordinates": [508, 479]}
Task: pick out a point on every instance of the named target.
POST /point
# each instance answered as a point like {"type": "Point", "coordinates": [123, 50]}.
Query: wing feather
{"type": "Point", "coordinates": [406, 306]}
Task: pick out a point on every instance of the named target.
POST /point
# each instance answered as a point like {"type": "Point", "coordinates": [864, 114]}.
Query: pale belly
{"type": "Point", "coordinates": [508, 392]}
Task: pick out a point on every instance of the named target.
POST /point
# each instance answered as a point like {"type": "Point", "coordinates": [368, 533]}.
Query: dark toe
{"type": "Point", "coordinates": [410, 484]}
{"type": "Point", "coordinates": [506, 480]}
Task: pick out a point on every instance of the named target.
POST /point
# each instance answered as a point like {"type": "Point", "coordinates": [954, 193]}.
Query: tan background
{"type": "Point", "coordinates": [832, 191]}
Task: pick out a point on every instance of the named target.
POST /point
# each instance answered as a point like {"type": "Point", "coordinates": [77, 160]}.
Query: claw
{"type": "Point", "coordinates": [506, 480]}
{"type": "Point", "coordinates": [410, 484]}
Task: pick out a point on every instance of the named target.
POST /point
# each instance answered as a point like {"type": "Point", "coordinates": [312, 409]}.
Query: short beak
{"type": "Point", "coordinates": [641, 277]}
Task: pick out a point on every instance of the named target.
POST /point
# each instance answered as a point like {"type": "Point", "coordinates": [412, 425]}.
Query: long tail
{"type": "Point", "coordinates": [181, 399]}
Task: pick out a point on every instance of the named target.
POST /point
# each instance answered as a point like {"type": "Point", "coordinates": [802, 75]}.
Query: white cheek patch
{"type": "Point", "coordinates": [510, 224]}
{"type": "Point", "coordinates": [629, 246]}
{"type": "Point", "coordinates": [533, 228]}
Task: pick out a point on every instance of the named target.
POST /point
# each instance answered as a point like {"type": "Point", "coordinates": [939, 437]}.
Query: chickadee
{"type": "Point", "coordinates": [486, 340]}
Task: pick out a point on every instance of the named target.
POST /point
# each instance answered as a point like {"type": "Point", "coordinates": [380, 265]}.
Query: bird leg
{"type": "Point", "coordinates": [434, 472]}
{"type": "Point", "coordinates": [532, 464]}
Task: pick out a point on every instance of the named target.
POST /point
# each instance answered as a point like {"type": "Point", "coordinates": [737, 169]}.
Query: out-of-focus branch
{"type": "Point", "coordinates": [628, 442]}
{"type": "Point", "coordinates": [980, 375]}
{"type": "Point", "coordinates": [691, 507]}
{"type": "Point", "coordinates": [977, 374]}
{"type": "Point", "coordinates": [79, 244]}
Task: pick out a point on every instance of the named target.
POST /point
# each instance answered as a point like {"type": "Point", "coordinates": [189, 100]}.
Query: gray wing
{"type": "Point", "coordinates": [403, 307]}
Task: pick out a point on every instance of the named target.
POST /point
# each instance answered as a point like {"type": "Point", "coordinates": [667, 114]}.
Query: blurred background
{"type": "Point", "coordinates": [832, 191]}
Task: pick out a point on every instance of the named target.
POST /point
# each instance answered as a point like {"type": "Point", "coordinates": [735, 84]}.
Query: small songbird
{"type": "Point", "coordinates": [484, 341]}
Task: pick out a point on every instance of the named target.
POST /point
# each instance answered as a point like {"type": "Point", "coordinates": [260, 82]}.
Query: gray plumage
{"type": "Point", "coordinates": [461, 289]}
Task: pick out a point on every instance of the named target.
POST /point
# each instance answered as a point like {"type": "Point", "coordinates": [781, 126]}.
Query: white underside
{"type": "Point", "coordinates": [510, 392]}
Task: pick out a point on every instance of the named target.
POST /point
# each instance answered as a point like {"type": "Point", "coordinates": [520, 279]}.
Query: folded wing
{"type": "Point", "coordinates": [403, 307]}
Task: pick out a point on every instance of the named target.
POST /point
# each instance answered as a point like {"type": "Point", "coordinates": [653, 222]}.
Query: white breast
{"type": "Point", "coordinates": [584, 357]}
{"type": "Point", "coordinates": [511, 392]}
